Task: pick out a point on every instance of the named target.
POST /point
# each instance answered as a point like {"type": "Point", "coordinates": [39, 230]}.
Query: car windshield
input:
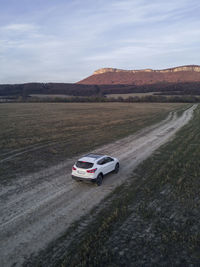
{"type": "Point", "coordinates": [84, 165]}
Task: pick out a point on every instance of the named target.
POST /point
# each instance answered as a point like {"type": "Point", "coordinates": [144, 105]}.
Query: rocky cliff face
{"type": "Point", "coordinates": [195, 68]}
{"type": "Point", "coordinates": [182, 74]}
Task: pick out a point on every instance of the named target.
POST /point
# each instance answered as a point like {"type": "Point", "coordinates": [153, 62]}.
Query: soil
{"type": "Point", "coordinates": [38, 208]}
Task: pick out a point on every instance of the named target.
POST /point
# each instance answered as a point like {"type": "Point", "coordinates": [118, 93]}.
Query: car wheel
{"type": "Point", "coordinates": [116, 168]}
{"type": "Point", "coordinates": [99, 179]}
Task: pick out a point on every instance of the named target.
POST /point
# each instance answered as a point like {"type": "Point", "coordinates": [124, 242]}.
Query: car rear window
{"type": "Point", "coordinates": [84, 165]}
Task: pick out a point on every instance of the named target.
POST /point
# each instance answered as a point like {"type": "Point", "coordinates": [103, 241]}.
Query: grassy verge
{"type": "Point", "coordinates": [36, 135]}
{"type": "Point", "coordinates": [154, 218]}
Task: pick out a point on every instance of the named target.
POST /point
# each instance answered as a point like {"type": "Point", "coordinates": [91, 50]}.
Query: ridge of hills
{"type": "Point", "coordinates": [181, 74]}
{"type": "Point", "coordinates": [184, 80]}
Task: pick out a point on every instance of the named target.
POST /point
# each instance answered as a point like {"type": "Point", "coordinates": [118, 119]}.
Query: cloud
{"type": "Point", "coordinates": [18, 27]}
{"type": "Point", "coordinates": [67, 40]}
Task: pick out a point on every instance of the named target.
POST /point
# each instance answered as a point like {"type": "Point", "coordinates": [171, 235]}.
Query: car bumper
{"type": "Point", "coordinates": [81, 179]}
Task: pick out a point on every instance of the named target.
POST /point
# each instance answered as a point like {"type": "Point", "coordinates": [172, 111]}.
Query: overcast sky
{"type": "Point", "coordinates": [66, 40]}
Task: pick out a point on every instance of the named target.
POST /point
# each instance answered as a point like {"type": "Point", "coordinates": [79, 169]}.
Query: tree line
{"type": "Point", "coordinates": [96, 99]}
{"type": "Point", "coordinates": [24, 90]}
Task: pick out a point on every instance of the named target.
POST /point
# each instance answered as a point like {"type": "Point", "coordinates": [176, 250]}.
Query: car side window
{"type": "Point", "coordinates": [105, 160]}
{"type": "Point", "coordinates": [102, 161]}
{"type": "Point", "coordinates": [109, 159]}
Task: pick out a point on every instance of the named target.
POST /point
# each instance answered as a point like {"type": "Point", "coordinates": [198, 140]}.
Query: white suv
{"type": "Point", "coordinates": [93, 167]}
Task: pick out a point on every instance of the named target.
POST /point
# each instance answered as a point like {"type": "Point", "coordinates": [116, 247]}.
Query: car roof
{"type": "Point", "coordinates": [91, 157]}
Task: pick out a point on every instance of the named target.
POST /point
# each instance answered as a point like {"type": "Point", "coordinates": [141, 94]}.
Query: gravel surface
{"type": "Point", "coordinates": [38, 208]}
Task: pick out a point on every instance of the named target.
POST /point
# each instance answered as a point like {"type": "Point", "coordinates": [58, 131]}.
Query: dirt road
{"type": "Point", "coordinates": [38, 208]}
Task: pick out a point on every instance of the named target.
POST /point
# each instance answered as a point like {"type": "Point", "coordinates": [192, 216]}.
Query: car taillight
{"type": "Point", "coordinates": [92, 171]}
{"type": "Point", "coordinates": [73, 168]}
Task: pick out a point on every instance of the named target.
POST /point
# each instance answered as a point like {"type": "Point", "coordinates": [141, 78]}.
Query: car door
{"type": "Point", "coordinates": [104, 165]}
{"type": "Point", "coordinates": [110, 164]}
{"type": "Point", "coordinates": [107, 165]}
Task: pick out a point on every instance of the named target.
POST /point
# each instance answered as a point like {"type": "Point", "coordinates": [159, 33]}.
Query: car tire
{"type": "Point", "coordinates": [99, 179]}
{"type": "Point", "coordinates": [116, 170]}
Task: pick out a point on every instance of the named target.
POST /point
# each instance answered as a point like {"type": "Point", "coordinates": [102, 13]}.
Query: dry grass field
{"type": "Point", "coordinates": [130, 95]}
{"type": "Point", "coordinates": [37, 135]}
{"type": "Point", "coordinates": [152, 219]}
{"type": "Point", "coordinates": [141, 95]}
